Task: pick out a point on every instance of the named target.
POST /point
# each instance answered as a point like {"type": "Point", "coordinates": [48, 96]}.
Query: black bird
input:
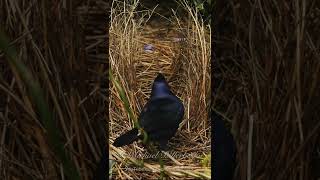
{"type": "Point", "coordinates": [224, 150]}
{"type": "Point", "coordinates": [160, 117]}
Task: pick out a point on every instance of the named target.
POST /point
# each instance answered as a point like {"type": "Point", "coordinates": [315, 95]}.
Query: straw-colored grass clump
{"type": "Point", "coordinates": [185, 64]}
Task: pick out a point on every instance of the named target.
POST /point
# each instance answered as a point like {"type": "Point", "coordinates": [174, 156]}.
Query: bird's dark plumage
{"type": "Point", "coordinates": [224, 150]}
{"type": "Point", "coordinates": [160, 117]}
{"type": "Point", "coordinates": [127, 138]}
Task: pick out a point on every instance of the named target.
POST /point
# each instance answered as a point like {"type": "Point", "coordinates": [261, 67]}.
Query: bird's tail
{"type": "Point", "coordinates": [127, 138]}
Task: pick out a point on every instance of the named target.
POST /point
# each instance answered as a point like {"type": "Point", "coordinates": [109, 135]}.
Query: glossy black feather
{"type": "Point", "coordinates": [160, 117]}
{"type": "Point", "coordinates": [127, 138]}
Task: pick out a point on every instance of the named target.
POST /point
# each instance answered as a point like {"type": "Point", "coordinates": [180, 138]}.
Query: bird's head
{"type": "Point", "coordinates": [160, 78]}
{"type": "Point", "coordinates": [160, 86]}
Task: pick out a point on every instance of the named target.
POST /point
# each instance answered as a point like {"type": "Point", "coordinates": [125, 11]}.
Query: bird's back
{"type": "Point", "coordinates": [161, 117]}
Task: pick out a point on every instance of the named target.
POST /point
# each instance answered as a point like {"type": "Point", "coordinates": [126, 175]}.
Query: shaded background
{"type": "Point", "coordinates": [266, 76]}
{"type": "Point", "coordinates": [64, 45]}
